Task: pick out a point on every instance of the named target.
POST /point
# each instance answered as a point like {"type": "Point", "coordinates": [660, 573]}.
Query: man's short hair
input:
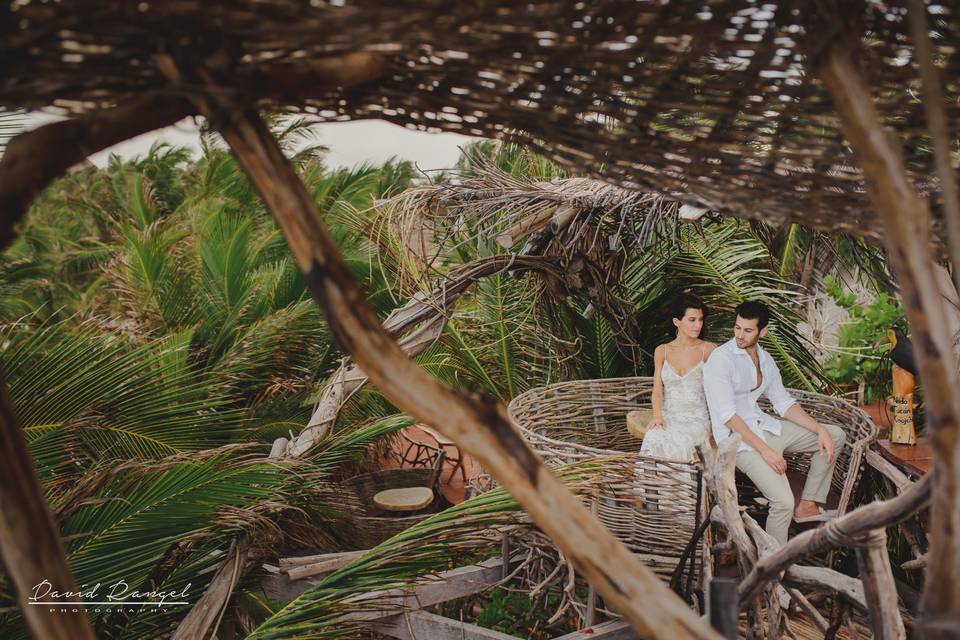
{"type": "Point", "coordinates": [752, 310]}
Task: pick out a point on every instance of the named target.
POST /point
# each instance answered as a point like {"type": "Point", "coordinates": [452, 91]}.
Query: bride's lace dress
{"type": "Point", "coordinates": [685, 416]}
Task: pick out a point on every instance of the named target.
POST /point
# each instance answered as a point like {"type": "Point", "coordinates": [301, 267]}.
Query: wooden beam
{"type": "Point", "coordinates": [29, 538]}
{"type": "Point", "coordinates": [448, 585]}
{"type": "Point", "coordinates": [420, 625]}
{"type": "Point", "coordinates": [906, 219]}
{"type": "Point", "coordinates": [479, 424]}
{"type": "Point", "coordinates": [938, 128]}
{"type": "Point", "coordinates": [319, 566]}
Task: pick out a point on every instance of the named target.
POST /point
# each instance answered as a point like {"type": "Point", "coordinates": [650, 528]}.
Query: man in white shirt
{"type": "Point", "coordinates": [736, 374]}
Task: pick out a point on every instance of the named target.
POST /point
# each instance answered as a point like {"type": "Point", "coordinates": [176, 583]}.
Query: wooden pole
{"type": "Point", "coordinates": [724, 607]}
{"type": "Point", "coordinates": [30, 541]}
{"type": "Point", "coordinates": [479, 424]}
{"type": "Point", "coordinates": [906, 219]}
{"type": "Point", "coordinates": [879, 589]}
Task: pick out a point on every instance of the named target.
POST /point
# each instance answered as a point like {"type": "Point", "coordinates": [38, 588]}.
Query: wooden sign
{"type": "Point", "coordinates": [902, 430]}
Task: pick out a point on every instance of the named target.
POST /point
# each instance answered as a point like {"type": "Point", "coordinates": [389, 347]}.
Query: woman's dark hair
{"type": "Point", "coordinates": [688, 301]}
{"type": "Point", "coordinates": [752, 310]}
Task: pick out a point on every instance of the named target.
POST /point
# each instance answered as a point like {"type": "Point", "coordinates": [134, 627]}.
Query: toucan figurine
{"type": "Point", "coordinates": [901, 350]}
{"type": "Point", "coordinates": [902, 430]}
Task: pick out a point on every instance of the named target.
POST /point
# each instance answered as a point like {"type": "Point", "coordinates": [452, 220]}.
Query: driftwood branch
{"type": "Point", "coordinates": [34, 159]}
{"type": "Point", "coordinates": [851, 527]}
{"type": "Point", "coordinates": [822, 579]}
{"type": "Point", "coordinates": [879, 588]}
{"type": "Point", "coordinates": [720, 469]}
{"type": "Point", "coordinates": [426, 316]}
{"type": "Point", "coordinates": [478, 424]}
{"type": "Point", "coordinates": [888, 470]}
{"type": "Point", "coordinates": [906, 218]}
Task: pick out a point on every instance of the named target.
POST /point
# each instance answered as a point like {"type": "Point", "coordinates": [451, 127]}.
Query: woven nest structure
{"type": "Point", "coordinates": [371, 526]}
{"type": "Point", "coordinates": [655, 506]}
{"type": "Point", "coordinates": [714, 103]}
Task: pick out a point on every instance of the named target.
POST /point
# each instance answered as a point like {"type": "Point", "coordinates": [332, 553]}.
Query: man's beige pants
{"type": "Point", "coordinates": [775, 487]}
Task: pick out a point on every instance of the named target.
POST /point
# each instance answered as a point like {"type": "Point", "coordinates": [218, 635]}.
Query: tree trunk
{"type": "Point", "coordinates": [906, 219]}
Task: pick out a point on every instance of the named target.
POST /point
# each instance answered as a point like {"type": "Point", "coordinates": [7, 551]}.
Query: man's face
{"type": "Point", "coordinates": [746, 332]}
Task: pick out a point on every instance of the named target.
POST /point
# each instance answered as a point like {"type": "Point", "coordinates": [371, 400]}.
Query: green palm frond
{"type": "Point", "coordinates": [109, 399]}
{"type": "Point", "coordinates": [158, 526]}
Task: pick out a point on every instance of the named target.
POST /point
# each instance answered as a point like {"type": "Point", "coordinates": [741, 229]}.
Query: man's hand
{"type": "Point", "coordinates": [826, 444]}
{"type": "Point", "coordinates": [775, 460]}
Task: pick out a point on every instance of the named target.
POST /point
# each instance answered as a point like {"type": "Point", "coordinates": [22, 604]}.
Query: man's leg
{"type": "Point", "coordinates": [774, 487]}
{"type": "Point", "coordinates": [796, 439]}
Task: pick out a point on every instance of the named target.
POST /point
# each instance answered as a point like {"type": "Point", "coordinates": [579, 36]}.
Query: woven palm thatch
{"type": "Point", "coordinates": [714, 103]}
{"type": "Point", "coordinates": [657, 506]}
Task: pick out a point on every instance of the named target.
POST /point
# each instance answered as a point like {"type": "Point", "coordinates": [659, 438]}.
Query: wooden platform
{"type": "Point", "coordinates": [914, 459]}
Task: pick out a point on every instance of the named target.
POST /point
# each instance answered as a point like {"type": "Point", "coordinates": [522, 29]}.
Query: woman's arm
{"type": "Point", "coordinates": [656, 399]}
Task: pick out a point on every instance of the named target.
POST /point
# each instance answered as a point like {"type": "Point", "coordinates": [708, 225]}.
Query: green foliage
{"type": "Point", "coordinates": [516, 613]}
{"type": "Point", "coordinates": [859, 360]}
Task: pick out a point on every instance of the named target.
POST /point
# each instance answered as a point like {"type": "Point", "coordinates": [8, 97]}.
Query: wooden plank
{"type": "Point", "coordinates": [420, 625]}
{"type": "Point", "coordinates": [915, 459]}
{"type": "Point", "coordinates": [321, 568]}
{"type": "Point", "coordinates": [292, 562]}
{"type": "Point", "coordinates": [448, 585]}
{"type": "Point", "coordinates": [612, 630]}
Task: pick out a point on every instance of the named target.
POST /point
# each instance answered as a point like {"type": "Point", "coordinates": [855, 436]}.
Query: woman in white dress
{"type": "Point", "coordinates": [680, 419]}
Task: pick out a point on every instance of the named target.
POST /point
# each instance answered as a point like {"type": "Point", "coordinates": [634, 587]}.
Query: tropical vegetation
{"type": "Point", "coordinates": [156, 337]}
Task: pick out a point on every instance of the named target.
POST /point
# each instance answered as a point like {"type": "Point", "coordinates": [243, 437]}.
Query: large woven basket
{"type": "Point", "coordinates": [655, 506]}
{"type": "Point", "coordinates": [656, 510]}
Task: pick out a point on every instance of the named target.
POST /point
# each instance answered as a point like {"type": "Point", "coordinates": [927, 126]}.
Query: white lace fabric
{"type": "Point", "coordinates": [685, 417]}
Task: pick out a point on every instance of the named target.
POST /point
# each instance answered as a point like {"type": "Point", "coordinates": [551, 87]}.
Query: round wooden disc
{"type": "Point", "coordinates": [407, 499]}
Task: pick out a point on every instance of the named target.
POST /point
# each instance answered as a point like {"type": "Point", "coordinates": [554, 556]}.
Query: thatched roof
{"type": "Point", "coordinates": [711, 102]}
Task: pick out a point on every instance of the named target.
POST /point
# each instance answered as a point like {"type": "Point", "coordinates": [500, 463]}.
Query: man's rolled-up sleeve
{"type": "Point", "coordinates": [777, 394]}
{"type": "Point", "coordinates": [717, 373]}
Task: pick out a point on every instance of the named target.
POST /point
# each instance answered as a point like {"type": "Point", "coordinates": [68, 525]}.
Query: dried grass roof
{"type": "Point", "coordinates": [714, 102]}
